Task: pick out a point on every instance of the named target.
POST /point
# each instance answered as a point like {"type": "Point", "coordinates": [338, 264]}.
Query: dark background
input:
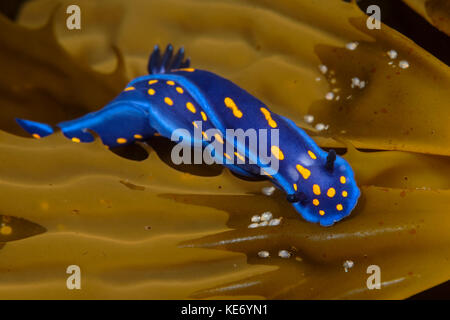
{"type": "Point", "coordinates": [395, 14]}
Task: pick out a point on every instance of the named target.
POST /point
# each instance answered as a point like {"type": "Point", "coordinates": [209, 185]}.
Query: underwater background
{"type": "Point", "coordinates": [141, 227]}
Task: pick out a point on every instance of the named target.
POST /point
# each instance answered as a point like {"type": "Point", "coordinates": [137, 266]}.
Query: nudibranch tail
{"type": "Point", "coordinates": [36, 129]}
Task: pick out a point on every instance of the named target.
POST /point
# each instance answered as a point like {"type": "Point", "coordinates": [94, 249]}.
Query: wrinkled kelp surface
{"type": "Point", "coordinates": [149, 229]}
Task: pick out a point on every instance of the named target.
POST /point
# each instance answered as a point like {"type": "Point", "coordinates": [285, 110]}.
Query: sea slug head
{"type": "Point", "coordinates": [329, 193]}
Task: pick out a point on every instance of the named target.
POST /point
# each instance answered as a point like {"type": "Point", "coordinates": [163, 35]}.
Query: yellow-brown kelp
{"type": "Point", "coordinates": [147, 230]}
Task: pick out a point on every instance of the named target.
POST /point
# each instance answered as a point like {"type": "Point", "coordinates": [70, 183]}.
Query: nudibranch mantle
{"type": "Point", "coordinates": [320, 185]}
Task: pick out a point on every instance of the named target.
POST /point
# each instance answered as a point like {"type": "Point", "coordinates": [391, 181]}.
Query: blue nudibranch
{"type": "Point", "coordinates": [319, 184]}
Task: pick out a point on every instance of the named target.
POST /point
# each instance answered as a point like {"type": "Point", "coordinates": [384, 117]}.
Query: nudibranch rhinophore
{"type": "Point", "coordinates": [319, 184]}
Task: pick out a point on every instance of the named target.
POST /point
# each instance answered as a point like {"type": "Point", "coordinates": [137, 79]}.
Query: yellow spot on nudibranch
{"type": "Point", "coordinates": [121, 140]}
{"type": "Point", "coordinates": [191, 107]}
{"type": "Point", "coordinates": [152, 81]}
{"type": "Point", "coordinates": [227, 156]}
{"type": "Point", "coordinates": [218, 138]}
{"type": "Point", "coordinates": [157, 134]}
{"type": "Point", "coordinates": [75, 139]}
{"type": "Point", "coordinates": [303, 171]}
{"type": "Point", "coordinates": [342, 179]}
{"type": "Point", "coordinates": [179, 90]}
{"type": "Point", "coordinates": [295, 186]}
{"type": "Point", "coordinates": [130, 89]}
{"type": "Point", "coordinates": [321, 212]}
{"type": "Point", "coordinates": [138, 136]}
{"type": "Point", "coordinates": [35, 135]}
{"type": "Point", "coordinates": [204, 117]}
{"type": "Point", "coordinates": [331, 192]}
{"type": "Point", "coordinates": [205, 135]}
{"type": "Point", "coordinates": [316, 202]}
{"type": "Point", "coordinates": [170, 83]}
{"type": "Point", "coordinates": [168, 101]}
{"type": "Point", "coordinates": [151, 91]}
{"type": "Point", "coordinates": [344, 194]}
{"type": "Point", "coordinates": [268, 117]}
{"type": "Point", "coordinates": [186, 69]}
{"type": "Point", "coordinates": [195, 125]}
{"type": "Point", "coordinates": [312, 155]}
{"type": "Point", "coordinates": [277, 153]}
{"type": "Point", "coordinates": [339, 207]}
{"type": "Point", "coordinates": [5, 230]}
{"type": "Point", "coordinates": [316, 189]}
{"type": "Point", "coordinates": [239, 156]}
{"type": "Point", "coordinates": [230, 104]}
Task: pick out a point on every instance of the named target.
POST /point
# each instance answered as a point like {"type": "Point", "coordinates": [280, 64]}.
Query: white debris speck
{"type": "Point", "coordinates": [268, 191]}
{"type": "Point", "coordinates": [253, 225]}
{"type": "Point", "coordinates": [392, 54]}
{"type": "Point", "coordinates": [308, 118]}
{"type": "Point", "coordinates": [320, 126]}
{"type": "Point", "coordinates": [333, 80]}
{"type": "Point", "coordinates": [263, 224]}
{"type": "Point", "coordinates": [356, 82]}
{"type": "Point", "coordinates": [266, 216]}
{"type": "Point", "coordinates": [349, 97]}
{"type": "Point", "coordinates": [329, 96]}
{"type": "Point", "coordinates": [263, 254]}
{"type": "Point", "coordinates": [274, 222]}
{"type": "Point", "coordinates": [318, 79]}
{"type": "Point", "coordinates": [348, 264]}
{"type": "Point", "coordinates": [337, 98]}
{"type": "Point", "coordinates": [362, 84]}
{"type": "Point", "coordinates": [390, 63]}
{"type": "Point", "coordinates": [323, 68]}
{"type": "Point", "coordinates": [284, 254]}
{"type": "Point", "coordinates": [403, 64]}
{"type": "Point", "coordinates": [352, 45]}
{"type": "Point", "coordinates": [256, 218]}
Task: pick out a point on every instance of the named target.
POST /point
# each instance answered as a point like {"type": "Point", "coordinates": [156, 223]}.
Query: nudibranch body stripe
{"type": "Point", "coordinates": [320, 185]}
